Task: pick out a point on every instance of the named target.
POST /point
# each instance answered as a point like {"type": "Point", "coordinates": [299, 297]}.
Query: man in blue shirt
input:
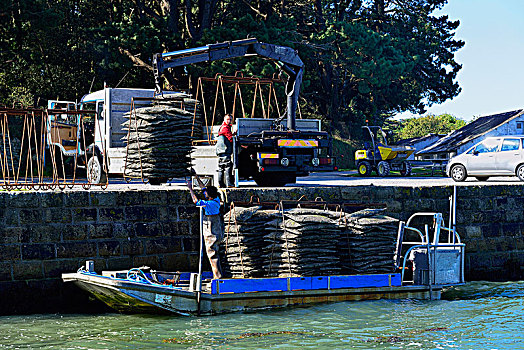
{"type": "Point", "coordinates": [213, 228]}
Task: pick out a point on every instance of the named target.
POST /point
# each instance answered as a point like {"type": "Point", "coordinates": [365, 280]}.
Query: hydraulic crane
{"type": "Point", "coordinates": [271, 157]}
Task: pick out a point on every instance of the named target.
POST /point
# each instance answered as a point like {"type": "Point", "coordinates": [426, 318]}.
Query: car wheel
{"type": "Point", "coordinates": [383, 168]}
{"type": "Point", "coordinates": [364, 168]}
{"type": "Point", "coordinates": [520, 172]}
{"type": "Point", "coordinates": [482, 178]}
{"type": "Point", "coordinates": [458, 173]}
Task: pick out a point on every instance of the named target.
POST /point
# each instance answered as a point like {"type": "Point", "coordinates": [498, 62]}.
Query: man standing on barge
{"type": "Point", "coordinates": [213, 228]}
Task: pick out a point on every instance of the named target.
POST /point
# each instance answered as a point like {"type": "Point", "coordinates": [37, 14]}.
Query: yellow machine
{"type": "Point", "coordinates": [379, 157]}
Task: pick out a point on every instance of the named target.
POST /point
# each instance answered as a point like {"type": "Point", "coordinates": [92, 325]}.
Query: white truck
{"type": "Point", "coordinates": [104, 151]}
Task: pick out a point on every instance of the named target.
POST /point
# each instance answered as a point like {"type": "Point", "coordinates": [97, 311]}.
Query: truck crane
{"type": "Point", "coordinates": [271, 153]}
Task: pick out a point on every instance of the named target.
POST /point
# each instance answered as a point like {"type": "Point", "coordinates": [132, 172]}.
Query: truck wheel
{"type": "Point", "coordinates": [405, 168]}
{"type": "Point", "coordinates": [383, 168]}
{"type": "Point", "coordinates": [364, 168]}
{"type": "Point", "coordinates": [95, 173]}
{"type": "Point", "coordinates": [155, 181]}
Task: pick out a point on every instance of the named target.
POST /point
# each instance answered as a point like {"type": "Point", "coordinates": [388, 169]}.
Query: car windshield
{"type": "Point", "coordinates": [489, 145]}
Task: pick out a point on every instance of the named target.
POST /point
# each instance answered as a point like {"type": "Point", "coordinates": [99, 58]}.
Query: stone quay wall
{"type": "Point", "coordinates": [45, 234]}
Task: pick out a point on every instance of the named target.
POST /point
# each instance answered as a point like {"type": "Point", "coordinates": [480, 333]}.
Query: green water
{"type": "Point", "coordinates": [478, 315]}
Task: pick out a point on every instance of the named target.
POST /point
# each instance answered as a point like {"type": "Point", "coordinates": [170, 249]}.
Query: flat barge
{"type": "Point", "coordinates": [424, 266]}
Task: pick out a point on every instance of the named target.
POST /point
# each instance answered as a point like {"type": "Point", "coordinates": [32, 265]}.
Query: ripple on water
{"type": "Point", "coordinates": [479, 315]}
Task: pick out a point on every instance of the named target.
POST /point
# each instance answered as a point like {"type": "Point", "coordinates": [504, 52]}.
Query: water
{"type": "Point", "coordinates": [479, 315]}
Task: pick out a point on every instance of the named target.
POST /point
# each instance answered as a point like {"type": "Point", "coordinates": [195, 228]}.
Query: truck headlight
{"type": "Point", "coordinates": [315, 161]}
{"type": "Point", "coordinates": [284, 162]}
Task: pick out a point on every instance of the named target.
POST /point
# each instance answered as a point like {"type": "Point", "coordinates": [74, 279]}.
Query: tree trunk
{"type": "Point", "coordinates": [170, 9]}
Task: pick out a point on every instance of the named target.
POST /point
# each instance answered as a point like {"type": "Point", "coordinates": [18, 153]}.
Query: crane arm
{"type": "Point", "coordinates": [286, 57]}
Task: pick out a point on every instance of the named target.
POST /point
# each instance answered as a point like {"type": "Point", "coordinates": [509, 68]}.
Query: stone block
{"type": "Point", "coordinates": [188, 213]}
{"type": "Point", "coordinates": [491, 230]}
{"type": "Point", "coordinates": [141, 213]}
{"type": "Point", "coordinates": [76, 199]}
{"type": "Point", "coordinates": [57, 215]}
{"type": "Point", "coordinates": [109, 248]}
{"type": "Point", "coordinates": [102, 199]}
{"type": "Point", "coordinates": [480, 261]}
{"type": "Point", "coordinates": [476, 245]}
{"type": "Point", "coordinates": [179, 197]}
{"type": "Point", "coordinates": [84, 214]}
{"type": "Point", "coordinates": [119, 263]}
{"type": "Point", "coordinates": [100, 231]}
{"type": "Point", "coordinates": [151, 261]}
{"type": "Point", "coordinates": [128, 198]}
{"type": "Point", "coordinates": [9, 235]}
{"type": "Point", "coordinates": [11, 217]}
{"type": "Point", "coordinates": [132, 247]}
{"type": "Point", "coordinates": [76, 250]}
{"type": "Point", "coordinates": [23, 270]}
{"type": "Point", "coordinates": [511, 229]}
{"type": "Point", "coordinates": [164, 214]}
{"type": "Point", "coordinates": [194, 228]}
{"type": "Point", "coordinates": [472, 232]}
{"type": "Point", "coordinates": [190, 244]}
{"type": "Point", "coordinates": [360, 194]}
{"type": "Point", "coordinates": [23, 200]}
{"type": "Point", "coordinates": [434, 192]}
{"type": "Point", "coordinates": [175, 262]}
{"type": "Point", "coordinates": [44, 233]}
{"type": "Point", "coordinates": [55, 268]}
{"type": "Point", "coordinates": [52, 199]}
{"type": "Point", "coordinates": [382, 193]}
{"type": "Point", "coordinates": [148, 229]}
{"type": "Point", "coordinates": [77, 232]}
{"type": "Point", "coordinates": [23, 233]}
{"type": "Point", "coordinates": [194, 260]}
{"type": "Point", "coordinates": [499, 259]}
{"type": "Point", "coordinates": [38, 251]}
{"type": "Point", "coordinates": [327, 194]}
{"type": "Point", "coordinates": [156, 197]}
{"type": "Point", "coordinates": [6, 271]}
{"type": "Point", "coordinates": [184, 228]}
{"type": "Point", "coordinates": [402, 193]}
{"type": "Point", "coordinates": [124, 230]}
{"type": "Point", "coordinates": [110, 214]}
{"type": "Point", "coordinates": [30, 216]}
{"type": "Point", "coordinates": [163, 245]}
{"type": "Point", "coordinates": [10, 252]}
{"type": "Point", "coordinates": [513, 214]}
{"type": "Point", "coordinates": [419, 204]}
{"type": "Point", "coordinates": [170, 229]}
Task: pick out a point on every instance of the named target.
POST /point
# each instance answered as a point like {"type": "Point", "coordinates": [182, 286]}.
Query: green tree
{"type": "Point", "coordinates": [438, 124]}
{"type": "Point", "coordinates": [364, 59]}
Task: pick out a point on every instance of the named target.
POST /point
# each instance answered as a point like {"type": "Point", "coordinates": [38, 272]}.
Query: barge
{"type": "Point", "coordinates": [423, 267]}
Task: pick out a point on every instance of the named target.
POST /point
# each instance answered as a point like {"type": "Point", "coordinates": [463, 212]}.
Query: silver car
{"type": "Point", "coordinates": [495, 156]}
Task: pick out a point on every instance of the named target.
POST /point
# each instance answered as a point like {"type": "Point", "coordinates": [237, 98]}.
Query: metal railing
{"type": "Point", "coordinates": [38, 151]}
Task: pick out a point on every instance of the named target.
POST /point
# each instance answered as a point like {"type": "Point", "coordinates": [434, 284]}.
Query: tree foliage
{"type": "Point", "coordinates": [437, 124]}
{"type": "Point", "coordinates": [365, 59]}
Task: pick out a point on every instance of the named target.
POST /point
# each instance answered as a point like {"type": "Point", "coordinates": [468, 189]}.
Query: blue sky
{"type": "Point", "coordinates": [492, 74]}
